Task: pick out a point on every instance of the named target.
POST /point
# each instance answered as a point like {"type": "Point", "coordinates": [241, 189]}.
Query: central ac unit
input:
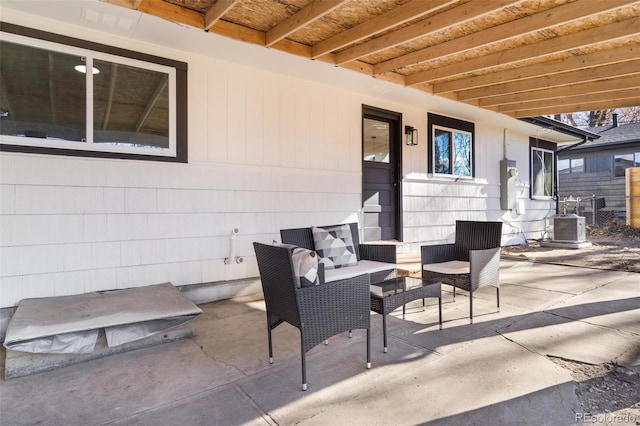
{"type": "Point", "coordinates": [569, 228]}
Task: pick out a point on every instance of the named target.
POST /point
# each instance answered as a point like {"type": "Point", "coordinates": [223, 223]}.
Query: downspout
{"type": "Point", "coordinates": [585, 140]}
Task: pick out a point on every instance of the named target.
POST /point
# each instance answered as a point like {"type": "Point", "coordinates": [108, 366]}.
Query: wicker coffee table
{"type": "Point", "coordinates": [388, 295]}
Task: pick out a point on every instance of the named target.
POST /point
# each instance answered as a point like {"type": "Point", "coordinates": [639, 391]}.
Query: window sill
{"type": "Point", "coordinates": [429, 177]}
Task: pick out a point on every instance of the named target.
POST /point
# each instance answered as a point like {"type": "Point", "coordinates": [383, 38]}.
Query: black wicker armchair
{"type": "Point", "coordinates": [472, 262]}
{"type": "Point", "coordinates": [319, 311]}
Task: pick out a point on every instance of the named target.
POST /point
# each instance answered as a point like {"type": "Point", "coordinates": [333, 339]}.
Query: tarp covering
{"type": "Point", "coordinates": [70, 324]}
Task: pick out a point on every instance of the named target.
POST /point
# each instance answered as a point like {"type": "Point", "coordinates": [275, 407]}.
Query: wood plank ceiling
{"type": "Point", "coordinates": [518, 57]}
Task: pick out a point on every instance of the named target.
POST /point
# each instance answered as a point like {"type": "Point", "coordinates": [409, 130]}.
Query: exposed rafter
{"type": "Point", "coordinates": [217, 11]}
{"type": "Point", "coordinates": [512, 56]}
{"type": "Point", "coordinates": [309, 14]}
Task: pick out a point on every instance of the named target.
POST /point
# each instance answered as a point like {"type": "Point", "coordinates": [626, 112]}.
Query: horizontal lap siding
{"type": "Point", "coordinates": [266, 153]}
{"type": "Point", "coordinates": [431, 208]}
{"type": "Point", "coordinates": [601, 184]}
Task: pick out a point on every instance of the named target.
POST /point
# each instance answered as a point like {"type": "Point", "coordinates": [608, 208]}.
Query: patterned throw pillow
{"type": "Point", "coordinates": [334, 245]}
{"type": "Point", "coordinates": [305, 265]}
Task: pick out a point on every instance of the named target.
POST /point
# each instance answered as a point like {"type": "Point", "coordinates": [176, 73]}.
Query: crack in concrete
{"type": "Point", "coordinates": [592, 323]}
{"type": "Point", "coordinates": [210, 356]}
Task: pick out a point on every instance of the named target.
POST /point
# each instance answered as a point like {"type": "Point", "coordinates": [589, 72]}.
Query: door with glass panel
{"type": "Point", "coordinates": [380, 175]}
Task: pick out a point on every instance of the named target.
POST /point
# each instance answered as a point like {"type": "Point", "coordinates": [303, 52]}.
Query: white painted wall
{"type": "Point", "coordinates": [267, 151]}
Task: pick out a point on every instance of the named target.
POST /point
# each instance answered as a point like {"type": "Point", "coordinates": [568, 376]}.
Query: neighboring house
{"type": "Point", "coordinates": [265, 141]}
{"type": "Point", "coordinates": [595, 170]}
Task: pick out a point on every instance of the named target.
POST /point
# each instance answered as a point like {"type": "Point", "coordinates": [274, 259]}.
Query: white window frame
{"type": "Point", "coordinates": [535, 196]}
{"type": "Point", "coordinates": [451, 150]}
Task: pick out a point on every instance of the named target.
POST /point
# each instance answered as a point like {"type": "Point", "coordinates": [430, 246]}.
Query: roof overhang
{"type": "Point", "coordinates": [560, 127]}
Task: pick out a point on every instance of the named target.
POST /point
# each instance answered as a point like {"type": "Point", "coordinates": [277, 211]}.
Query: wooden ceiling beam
{"type": "Point", "coordinates": [546, 19]}
{"type": "Point", "coordinates": [249, 35]}
{"type": "Point", "coordinates": [630, 82]}
{"type": "Point", "coordinates": [172, 12]}
{"type": "Point", "coordinates": [572, 77]}
{"type": "Point", "coordinates": [582, 106]}
{"type": "Point", "coordinates": [456, 16]}
{"type": "Point", "coordinates": [577, 98]}
{"type": "Point", "coordinates": [589, 60]}
{"type": "Point", "coordinates": [390, 19]}
{"type": "Point", "coordinates": [602, 34]}
{"type": "Point", "coordinates": [217, 11]}
{"type": "Point", "coordinates": [314, 11]}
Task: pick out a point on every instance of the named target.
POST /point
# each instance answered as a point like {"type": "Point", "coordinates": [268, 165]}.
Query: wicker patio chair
{"type": "Point", "coordinates": [319, 311]}
{"type": "Point", "coordinates": [472, 262]}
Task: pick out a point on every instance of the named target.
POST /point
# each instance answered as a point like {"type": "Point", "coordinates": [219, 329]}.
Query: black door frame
{"type": "Point", "coordinates": [372, 112]}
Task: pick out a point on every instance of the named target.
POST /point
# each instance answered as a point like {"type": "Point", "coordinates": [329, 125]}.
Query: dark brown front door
{"type": "Point", "coordinates": [380, 175]}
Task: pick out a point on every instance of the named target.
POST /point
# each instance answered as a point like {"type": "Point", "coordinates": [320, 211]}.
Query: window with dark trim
{"type": "Point", "coordinates": [570, 165]}
{"type": "Point", "coordinates": [451, 146]}
{"type": "Point", "coordinates": [543, 169]}
{"type": "Point", "coordinates": [67, 96]}
{"type": "Point", "coordinates": [621, 162]}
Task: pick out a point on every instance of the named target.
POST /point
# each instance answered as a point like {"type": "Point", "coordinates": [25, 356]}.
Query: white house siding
{"type": "Point", "coordinates": [266, 152]}
{"type": "Point", "coordinates": [433, 204]}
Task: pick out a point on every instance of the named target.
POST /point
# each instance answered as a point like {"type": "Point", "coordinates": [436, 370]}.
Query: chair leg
{"type": "Point", "coordinates": [470, 307]}
{"type": "Point", "coordinates": [498, 297]}
{"type": "Point", "coordinates": [368, 348]}
{"type": "Point", "coordinates": [304, 365]}
{"type": "Point", "coordinates": [269, 340]}
{"type": "Point", "coordinates": [440, 311]}
{"type": "Point", "coordinates": [384, 332]}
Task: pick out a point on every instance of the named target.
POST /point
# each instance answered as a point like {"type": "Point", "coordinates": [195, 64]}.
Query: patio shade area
{"type": "Point", "coordinates": [519, 57]}
{"type": "Point", "coordinates": [510, 365]}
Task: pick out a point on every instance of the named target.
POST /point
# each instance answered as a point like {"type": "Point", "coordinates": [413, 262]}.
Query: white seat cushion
{"type": "Point", "coordinates": [362, 267]}
{"type": "Point", "coordinates": [453, 267]}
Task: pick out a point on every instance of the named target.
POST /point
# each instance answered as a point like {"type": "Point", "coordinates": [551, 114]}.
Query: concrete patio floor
{"type": "Point", "coordinates": [497, 371]}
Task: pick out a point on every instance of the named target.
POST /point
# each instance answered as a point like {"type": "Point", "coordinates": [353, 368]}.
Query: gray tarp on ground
{"type": "Point", "coordinates": [70, 324]}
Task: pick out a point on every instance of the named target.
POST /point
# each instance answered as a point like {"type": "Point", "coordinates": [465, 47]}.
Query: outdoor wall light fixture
{"type": "Point", "coordinates": [410, 135]}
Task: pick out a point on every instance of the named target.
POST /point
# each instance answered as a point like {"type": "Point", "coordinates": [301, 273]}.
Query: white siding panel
{"type": "Point", "coordinates": [130, 253]}
{"type": "Point", "coordinates": [37, 259]}
{"type": "Point", "coordinates": [255, 123]}
{"type": "Point", "coordinates": [217, 117]}
{"type": "Point", "coordinates": [139, 200]}
{"type": "Point", "coordinates": [41, 284]}
{"type": "Point", "coordinates": [302, 143]}
{"type": "Point", "coordinates": [7, 199]}
{"type": "Point", "coordinates": [114, 200]}
{"type": "Point", "coordinates": [237, 124]}
{"type": "Point", "coordinates": [69, 283]}
{"type": "Point", "coordinates": [105, 255]}
{"type": "Point", "coordinates": [287, 129]}
{"type": "Point", "coordinates": [120, 227]}
{"type": "Point", "coordinates": [211, 271]}
{"type": "Point", "coordinates": [77, 257]}
{"type": "Point", "coordinates": [100, 280]}
{"type": "Point", "coordinates": [40, 229]}
{"type": "Point", "coordinates": [11, 290]}
{"type": "Point", "coordinates": [271, 126]}
{"type": "Point", "coordinates": [95, 227]}
{"type": "Point", "coordinates": [198, 147]}
{"type": "Point", "coordinates": [152, 252]}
